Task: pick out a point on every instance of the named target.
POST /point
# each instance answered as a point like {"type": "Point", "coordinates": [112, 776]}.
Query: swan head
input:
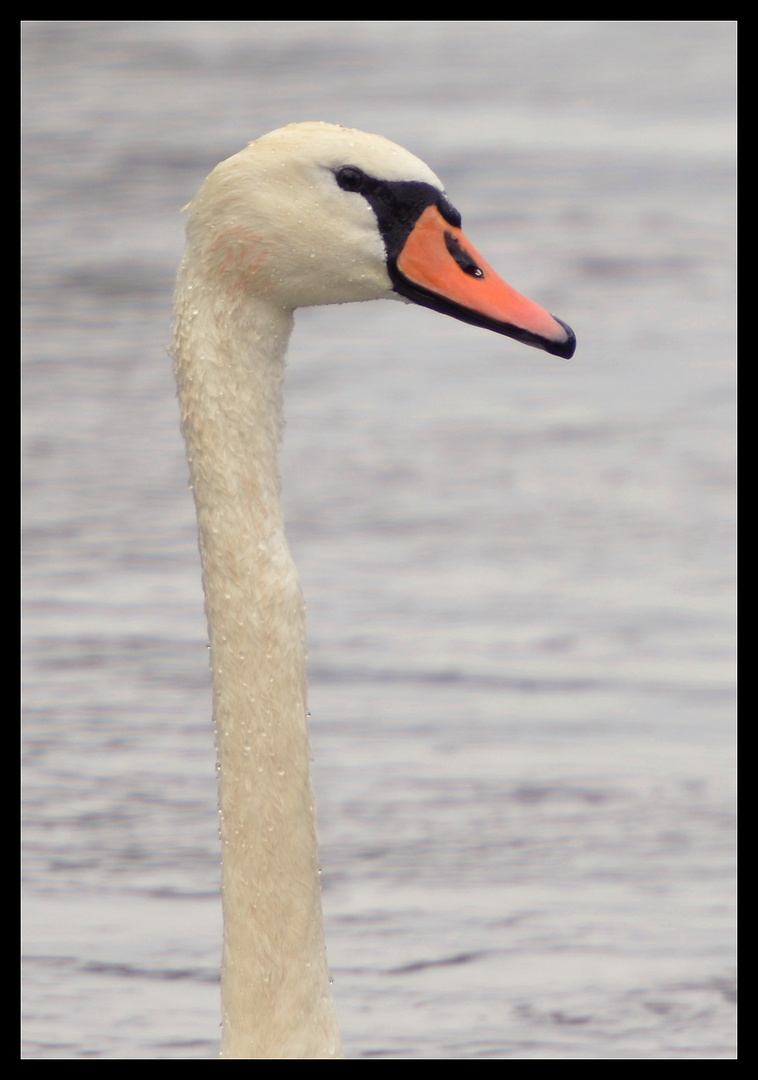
{"type": "Point", "coordinates": [315, 213]}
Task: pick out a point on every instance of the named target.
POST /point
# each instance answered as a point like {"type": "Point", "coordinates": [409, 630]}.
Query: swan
{"type": "Point", "coordinates": [312, 213]}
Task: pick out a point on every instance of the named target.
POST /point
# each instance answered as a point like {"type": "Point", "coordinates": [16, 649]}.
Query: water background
{"type": "Point", "coordinates": [519, 571]}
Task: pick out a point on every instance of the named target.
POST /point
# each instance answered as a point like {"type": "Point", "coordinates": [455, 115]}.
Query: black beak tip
{"type": "Point", "coordinates": [567, 348]}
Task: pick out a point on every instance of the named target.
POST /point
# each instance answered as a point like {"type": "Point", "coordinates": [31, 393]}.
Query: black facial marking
{"type": "Point", "coordinates": [398, 204]}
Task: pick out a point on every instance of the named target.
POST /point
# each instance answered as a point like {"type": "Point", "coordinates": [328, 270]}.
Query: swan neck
{"type": "Point", "coordinates": [229, 359]}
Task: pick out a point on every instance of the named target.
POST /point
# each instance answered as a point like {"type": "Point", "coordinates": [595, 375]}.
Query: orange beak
{"type": "Point", "coordinates": [439, 268]}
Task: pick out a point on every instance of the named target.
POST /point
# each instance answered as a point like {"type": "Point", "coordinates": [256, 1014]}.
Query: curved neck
{"type": "Point", "coordinates": [229, 357]}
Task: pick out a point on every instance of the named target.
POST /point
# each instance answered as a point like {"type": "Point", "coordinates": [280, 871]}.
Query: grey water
{"type": "Point", "coordinates": [519, 571]}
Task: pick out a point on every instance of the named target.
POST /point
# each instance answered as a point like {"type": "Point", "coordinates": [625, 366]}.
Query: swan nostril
{"type": "Point", "coordinates": [462, 257]}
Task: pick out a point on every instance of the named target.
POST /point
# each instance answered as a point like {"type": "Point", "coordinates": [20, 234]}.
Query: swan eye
{"type": "Point", "coordinates": [349, 178]}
